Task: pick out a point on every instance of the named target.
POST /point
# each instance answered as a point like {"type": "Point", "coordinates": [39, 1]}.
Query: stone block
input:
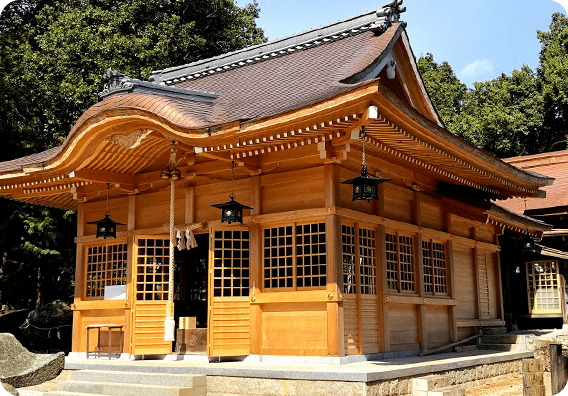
{"type": "Point", "coordinates": [450, 391]}
{"type": "Point", "coordinates": [22, 368]}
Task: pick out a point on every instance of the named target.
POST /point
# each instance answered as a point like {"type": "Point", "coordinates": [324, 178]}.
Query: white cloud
{"type": "Point", "coordinates": [4, 3]}
{"type": "Point", "coordinates": [476, 70]}
{"type": "Point", "coordinates": [563, 3]}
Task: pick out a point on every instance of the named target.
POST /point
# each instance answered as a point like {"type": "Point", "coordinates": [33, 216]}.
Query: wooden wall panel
{"type": "Point", "coordinates": [369, 324]}
{"type": "Point", "coordinates": [484, 233]}
{"type": "Point", "coordinates": [430, 213]}
{"type": "Point", "coordinates": [460, 227]}
{"type": "Point", "coordinates": [403, 327]}
{"type": "Point", "coordinates": [153, 210]}
{"type": "Point", "coordinates": [350, 327]}
{"type": "Point", "coordinates": [464, 276]}
{"type": "Point", "coordinates": [298, 194]}
{"type": "Point", "coordinates": [398, 203]}
{"type": "Point", "coordinates": [492, 284]}
{"type": "Point", "coordinates": [437, 326]}
{"type": "Point", "coordinates": [294, 329]}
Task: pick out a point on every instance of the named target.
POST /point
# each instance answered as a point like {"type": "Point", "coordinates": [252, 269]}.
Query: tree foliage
{"type": "Point", "coordinates": [523, 113]}
{"type": "Point", "coordinates": [52, 59]}
{"type": "Point", "coordinates": [444, 88]}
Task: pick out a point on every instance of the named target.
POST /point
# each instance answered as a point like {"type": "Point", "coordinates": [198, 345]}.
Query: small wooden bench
{"type": "Point", "coordinates": [109, 328]}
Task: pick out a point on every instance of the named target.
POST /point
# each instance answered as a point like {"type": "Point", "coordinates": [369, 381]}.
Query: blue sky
{"type": "Point", "coordinates": [479, 39]}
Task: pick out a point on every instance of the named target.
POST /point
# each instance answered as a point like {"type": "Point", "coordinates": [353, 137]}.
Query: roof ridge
{"type": "Point", "coordinates": [377, 20]}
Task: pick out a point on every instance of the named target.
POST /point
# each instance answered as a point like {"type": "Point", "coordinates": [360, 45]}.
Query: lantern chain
{"type": "Point", "coordinates": [233, 166]}
{"type": "Point", "coordinates": [364, 158]}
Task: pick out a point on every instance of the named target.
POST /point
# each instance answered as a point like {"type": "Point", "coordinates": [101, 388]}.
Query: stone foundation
{"type": "Point", "coordinates": [241, 386]}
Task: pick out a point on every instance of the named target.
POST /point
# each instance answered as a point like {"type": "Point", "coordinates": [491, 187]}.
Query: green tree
{"type": "Point", "coordinates": [52, 59]}
{"type": "Point", "coordinates": [504, 116]}
{"type": "Point", "coordinates": [553, 77]}
{"type": "Point", "coordinates": [446, 91]}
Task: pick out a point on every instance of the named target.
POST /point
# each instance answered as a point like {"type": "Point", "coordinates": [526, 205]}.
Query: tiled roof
{"type": "Point", "coordinates": [36, 159]}
{"type": "Point", "coordinates": [377, 20]}
{"type": "Point", "coordinates": [554, 164]}
{"type": "Point", "coordinates": [293, 81]}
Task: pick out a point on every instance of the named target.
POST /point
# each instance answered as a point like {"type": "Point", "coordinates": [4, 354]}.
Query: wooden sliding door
{"type": "Point", "coordinates": [229, 281]}
{"type": "Point", "coordinates": [151, 275]}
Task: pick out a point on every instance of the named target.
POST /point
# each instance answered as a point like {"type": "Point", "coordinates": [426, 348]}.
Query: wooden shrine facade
{"type": "Point", "coordinates": [309, 271]}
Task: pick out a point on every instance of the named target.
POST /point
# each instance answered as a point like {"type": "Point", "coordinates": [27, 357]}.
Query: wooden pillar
{"type": "Point", "coordinates": [130, 274]}
{"type": "Point", "coordinates": [190, 205]}
{"type": "Point", "coordinates": [421, 308]}
{"type": "Point", "coordinates": [384, 323]}
{"type": "Point", "coordinates": [256, 268]}
{"type": "Point", "coordinates": [334, 279]}
{"type": "Point", "coordinates": [453, 309]}
{"type": "Point", "coordinates": [558, 368]}
{"type": "Point", "coordinates": [477, 285]}
{"type": "Point", "coordinates": [358, 288]}
{"type": "Point", "coordinates": [255, 287]}
{"type": "Point", "coordinates": [77, 333]}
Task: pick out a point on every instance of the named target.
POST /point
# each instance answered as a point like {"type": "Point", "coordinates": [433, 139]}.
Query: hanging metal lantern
{"type": "Point", "coordinates": [106, 227]}
{"type": "Point", "coordinates": [529, 244]}
{"type": "Point", "coordinates": [365, 185]}
{"type": "Point", "coordinates": [232, 211]}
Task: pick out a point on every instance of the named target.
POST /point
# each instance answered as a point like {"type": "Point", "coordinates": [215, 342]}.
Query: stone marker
{"type": "Point", "coordinates": [19, 367]}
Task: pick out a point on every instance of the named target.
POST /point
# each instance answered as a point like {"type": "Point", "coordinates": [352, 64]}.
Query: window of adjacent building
{"type": "Point", "coordinates": [152, 269]}
{"type": "Point", "coordinates": [231, 263]}
{"type": "Point", "coordinates": [400, 262]}
{"type": "Point", "coordinates": [106, 266]}
{"type": "Point", "coordinates": [295, 256]}
{"type": "Point", "coordinates": [434, 266]}
{"type": "Point", "coordinates": [544, 287]}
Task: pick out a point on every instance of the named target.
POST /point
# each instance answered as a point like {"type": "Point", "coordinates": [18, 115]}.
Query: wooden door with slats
{"type": "Point", "coordinates": [228, 324]}
{"type": "Point", "coordinates": [151, 279]}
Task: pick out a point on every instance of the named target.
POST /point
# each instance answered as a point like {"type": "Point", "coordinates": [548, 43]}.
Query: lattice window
{"type": "Point", "coordinates": [434, 265]}
{"type": "Point", "coordinates": [348, 258]}
{"type": "Point", "coordinates": [106, 266]}
{"type": "Point", "coordinates": [392, 261]}
{"type": "Point", "coordinates": [400, 263]}
{"type": "Point", "coordinates": [279, 257]}
{"type": "Point", "coordinates": [231, 263]}
{"type": "Point", "coordinates": [543, 286]}
{"type": "Point", "coordinates": [153, 269]}
{"type": "Point", "coordinates": [311, 260]}
{"type": "Point", "coordinates": [367, 272]}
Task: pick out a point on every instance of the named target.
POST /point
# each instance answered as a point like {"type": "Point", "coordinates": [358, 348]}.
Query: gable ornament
{"type": "Point", "coordinates": [115, 81]}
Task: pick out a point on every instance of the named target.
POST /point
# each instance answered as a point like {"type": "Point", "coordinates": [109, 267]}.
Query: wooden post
{"type": "Point", "coordinates": [335, 344]}
{"type": "Point", "coordinates": [383, 302]}
{"type": "Point", "coordinates": [421, 308]}
{"type": "Point", "coordinates": [190, 205]}
{"type": "Point", "coordinates": [533, 379]}
{"type": "Point", "coordinates": [255, 287]}
{"type": "Point", "coordinates": [79, 280]}
{"type": "Point", "coordinates": [358, 289]}
{"type": "Point", "coordinates": [452, 291]}
{"type": "Point", "coordinates": [477, 286]}
{"type": "Point", "coordinates": [558, 368]}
